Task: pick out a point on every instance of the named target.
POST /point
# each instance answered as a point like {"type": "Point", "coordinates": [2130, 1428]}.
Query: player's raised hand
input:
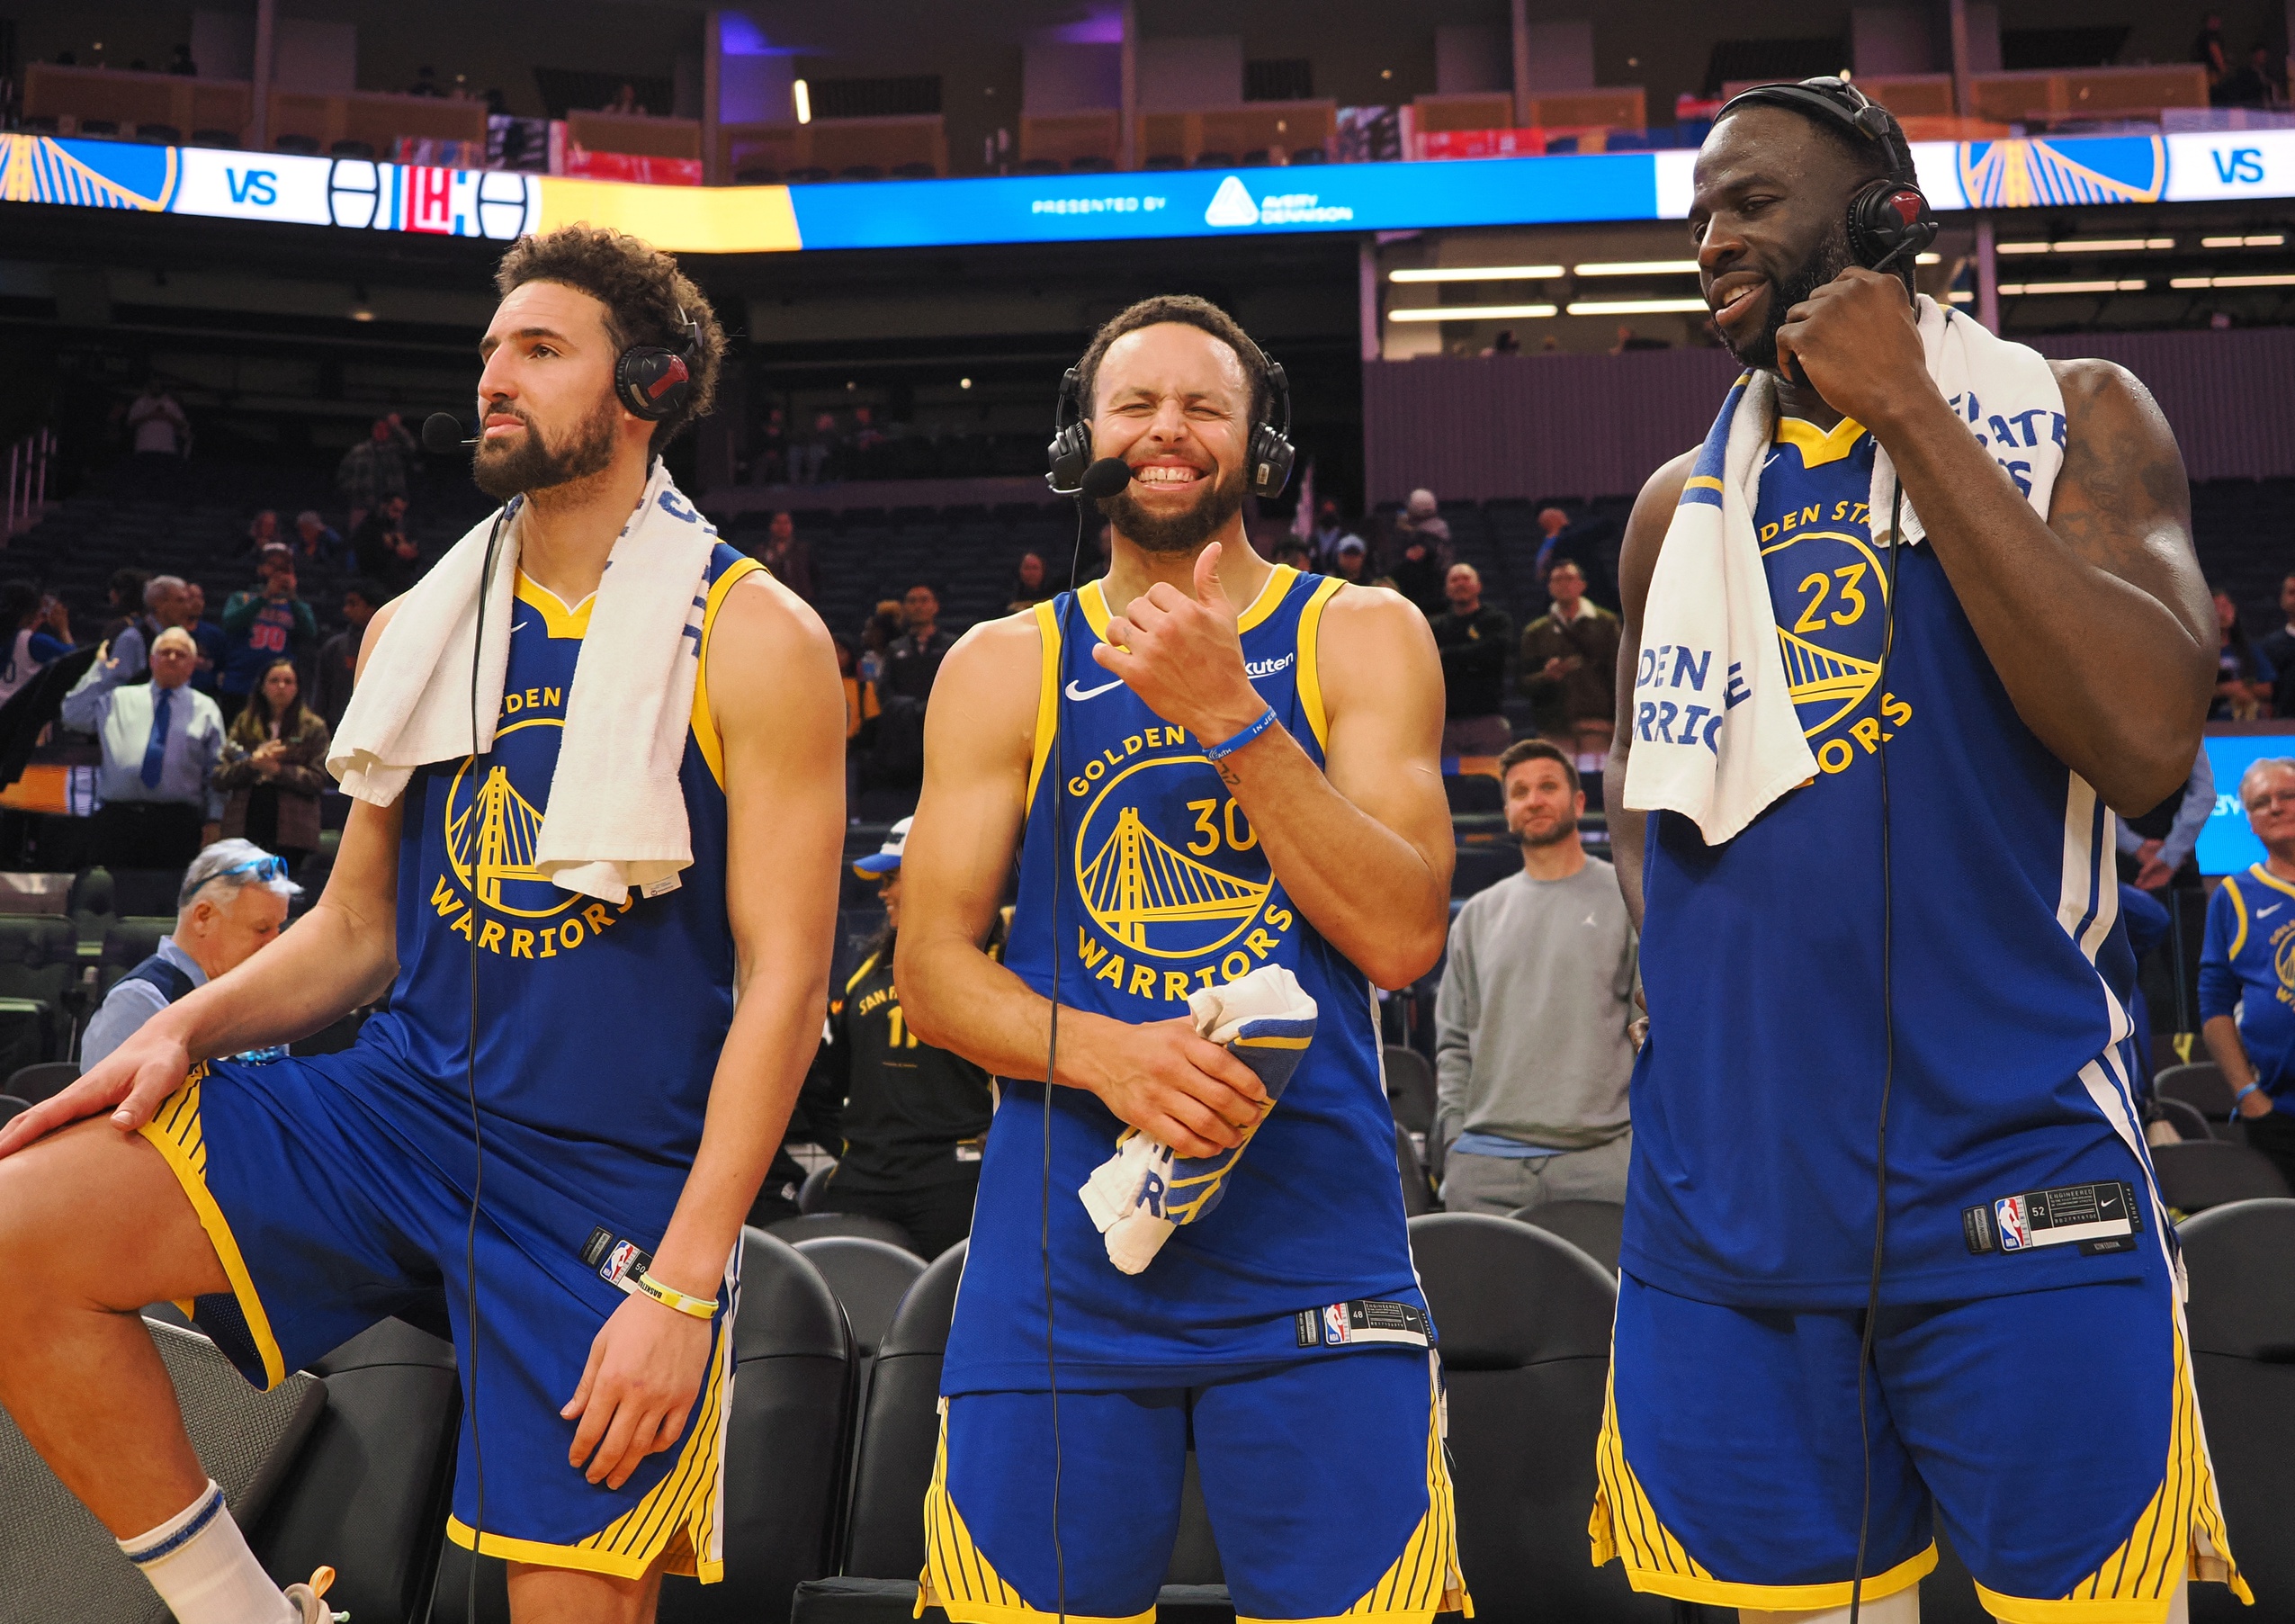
{"type": "Point", "coordinates": [645, 1369]}
{"type": "Point", "coordinates": [1182, 652]}
{"type": "Point", "coordinates": [131, 1082]}
{"type": "Point", "coordinates": [1166, 1081]}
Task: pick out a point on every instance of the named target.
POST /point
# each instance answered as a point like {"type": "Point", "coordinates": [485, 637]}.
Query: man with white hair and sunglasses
{"type": "Point", "coordinates": [233, 901]}
{"type": "Point", "coordinates": [2247, 968]}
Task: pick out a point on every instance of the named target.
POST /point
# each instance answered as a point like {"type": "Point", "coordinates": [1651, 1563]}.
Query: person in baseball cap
{"type": "Point", "coordinates": [886, 858]}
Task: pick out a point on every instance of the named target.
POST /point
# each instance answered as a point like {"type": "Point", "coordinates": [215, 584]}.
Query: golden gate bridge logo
{"type": "Point", "coordinates": [490, 843]}
{"type": "Point", "coordinates": [1816, 676]}
{"type": "Point", "coordinates": [1136, 880]}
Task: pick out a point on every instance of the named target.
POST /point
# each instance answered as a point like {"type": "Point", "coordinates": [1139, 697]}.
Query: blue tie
{"type": "Point", "coordinates": [155, 749]}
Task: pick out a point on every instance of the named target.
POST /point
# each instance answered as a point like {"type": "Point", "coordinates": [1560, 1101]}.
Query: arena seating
{"type": "Point", "coordinates": [1410, 1087]}
{"type": "Point", "coordinates": [2242, 1324]}
{"type": "Point", "coordinates": [1596, 1228]}
{"type": "Point", "coordinates": [2193, 1178]}
{"type": "Point", "coordinates": [2200, 1085]}
{"type": "Point", "coordinates": [820, 1226]}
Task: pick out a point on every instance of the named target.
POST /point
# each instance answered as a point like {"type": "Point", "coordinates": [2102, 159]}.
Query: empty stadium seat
{"type": "Point", "coordinates": [1479, 867]}
{"type": "Point", "coordinates": [366, 1493]}
{"type": "Point", "coordinates": [819, 1225]}
{"type": "Point", "coordinates": [869, 1279]}
{"type": "Point", "coordinates": [40, 961]}
{"type": "Point", "coordinates": [816, 1186]}
{"type": "Point", "coordinates": [127, 942]}
{"type": "Point", "coordinates": [2201, 1085]}
{"type": "Point", "coordinates": [146, 892]}
{"type": "Point", "coordinates": [1410, 1087]}
{"type": "Point", "coordinates": [11, 1107]}
{"type": "Point", "coordinates": [2193, 1178]}
{"type": "Point", "coordinates": [2242, 1323]}
{"type": "Point", "coordinates": [2183, 1118]}
{"type": "Point", "coordinates": [784, 1454]}
{"type": "Point", "coordinates": [1418, 1193]}
{"type": "Point", "coordinates": [38, 1083]}
{"type": "Point", "coordinates": [1596, 1228]}
{"type": "Point", "coordinates": [1474, 793]}
{"type": "Point", "coordinates": [1525, 1320]}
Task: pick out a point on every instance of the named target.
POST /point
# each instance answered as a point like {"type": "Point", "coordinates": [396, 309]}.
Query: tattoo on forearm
{"type": "Point", "coordinates": [1228, 775]}
{"type": "Point", "coordinates": [2118, 492]}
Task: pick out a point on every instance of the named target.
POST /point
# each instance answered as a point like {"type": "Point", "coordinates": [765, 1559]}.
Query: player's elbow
{"type": "Point", "coordinates": [1403, 952]}
{"type": "Point", "coordinates": [917, 971]}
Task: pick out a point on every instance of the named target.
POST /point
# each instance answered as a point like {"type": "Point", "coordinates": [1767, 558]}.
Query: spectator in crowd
{"type": "Point", "coordinates": [1552, 523]}
{"type": "Point", "coordinates": [262, 531]}
{"type": "Point", "coordinates": [1095, 562]}
{"type": "Point", "coordinates": [2156, 847]}
{"type": "Point", "coordinates": [39, 630]}
{"type": "Point", "coordinates": [1473, 637]}
{"type": "Point", "coordinates": [265, 623]}
{"type": "Point", "coordinates": [375, 468]}
{"type": "Point", "coordinates": [1419, 559]}
{"type": "Point", "coordinates": [877, 637]}
{"type": "Point", "coordinates": [625, 102]}
{"type": "Point", "coordinates": [1030, 584]}
{"type": "Point", "coordinates": [1329, 532]}
{"type": "Point", "coordinates": [1506, 344]}
{"type": "Point", "coordinates": [274, 769]}
{"type": "Point", "coordinates": [2252, 84]}
{"type": "Point", "coordinates": [913, 661]}
{"type": "Point", "coordinates": [167, 602]}
{"type": "Point", "coordinates": [156, 425]}
{"type": "Point", "coordinates": [1569, 665]}
{"type": "Point", "coordinates": [2278, 646]}
{"type": "Point", "coordinates": [382, 549]}
{"type": "Point", "coordinates": [2244, 1019]}
{"type": "Point", "coordinates": [2208, 51]}
{"type": "Point", "coordinates": [233, 901]}
{"type": "Point", "coordinates": [914, 1117]}
{"type": "Point", "coordinates": [181, 63]}
{"type": "Point", "coordinates": [209, 636]}
{"type": "Point", "coordinates": [860, 700]}
{"type": "Point", "coordinates": [316, 539]}
{"type": "Point", "coordinates": [1294, 551]}
{"type": "Point", "coordinates": [338, 656]}
{"type": "Point", "coordinates": [2244, 679]}
{"type": "Point", "coordinates": [1349, 559]}
{"type": "Point", "coordinates": [161, 740]}
{"type": "Point", "coordinates": [789, 556]}
{"type": "Point", "coordinates": [128, 632]}
{"type": "Point", "coordinates": [1532, 1052]}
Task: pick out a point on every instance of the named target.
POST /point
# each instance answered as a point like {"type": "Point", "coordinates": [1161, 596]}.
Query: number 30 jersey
{"type": "Point", "coordinates": [1153, 885]}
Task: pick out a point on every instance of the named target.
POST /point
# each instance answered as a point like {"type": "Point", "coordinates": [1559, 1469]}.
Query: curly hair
{"type": "Point", "coordinates": [643, 293]}
{"type": "Point", "coordinates": [1188, 311]}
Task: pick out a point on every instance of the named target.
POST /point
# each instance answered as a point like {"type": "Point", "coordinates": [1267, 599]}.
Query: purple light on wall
{"type": "Point", "coordinates": [1100, 25]}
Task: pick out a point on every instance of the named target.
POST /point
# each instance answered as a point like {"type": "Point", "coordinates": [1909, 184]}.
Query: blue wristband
{"type": "Point", "coordinates": [2241, 1095]}
{"type": "Point", "coordinates": [1219, 752]}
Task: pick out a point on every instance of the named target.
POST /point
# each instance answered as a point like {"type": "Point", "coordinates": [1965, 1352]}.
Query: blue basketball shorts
{"type": "Point", "coordinates": [2055, 1432]}
{"type": "Point", "coordinates": [1324, 1478]}
{"type": "Point", "coordinates": [337, 1192]}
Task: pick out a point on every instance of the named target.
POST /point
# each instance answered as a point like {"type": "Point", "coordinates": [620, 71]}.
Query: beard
{"type": "Point", "coordinates": [1559, 831]}
{"type": "Point", "coordinates": [1220, 500]}
{"type": "Point", "coordinates": [1826, 260]}
{"type": "Point", "coordinates": [536, 464]}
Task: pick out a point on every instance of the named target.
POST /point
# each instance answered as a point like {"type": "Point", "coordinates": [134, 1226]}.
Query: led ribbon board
{"type": "Point", "coordinates": [358, 194]}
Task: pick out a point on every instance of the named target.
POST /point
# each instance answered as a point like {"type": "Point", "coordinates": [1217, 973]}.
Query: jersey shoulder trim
{"type": "Point", "coordinates": [2239, 912]}
{"type": "Point", "coordinates": [2270, 879]}
{"type": "Point", "coordinates": [1310, 681]}
{"type": "Point", "coordinates": [558, 620]}
{"type": "Point", "coordinates": [706, 734]}
{"type": "Point", "coordinates": [1047, 697]}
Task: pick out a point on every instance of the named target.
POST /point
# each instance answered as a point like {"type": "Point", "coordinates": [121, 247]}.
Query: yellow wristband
{"type": "Point", "coordinates": [695, 1307]}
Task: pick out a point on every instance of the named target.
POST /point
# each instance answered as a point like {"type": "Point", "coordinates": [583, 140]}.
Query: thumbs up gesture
{"type": "Point", "coordinates": [1181, 653]}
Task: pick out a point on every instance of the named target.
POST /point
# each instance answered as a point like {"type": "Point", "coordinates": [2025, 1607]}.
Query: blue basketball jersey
{"type": "Point", "coordinates": [1756, 1102]}
{"type": "Point", "coordinates": [1156, 886]}
{"type": "Point", "coordinates": [599, 1024]}
{"type": "Point", "coordinates": [2248, 971]}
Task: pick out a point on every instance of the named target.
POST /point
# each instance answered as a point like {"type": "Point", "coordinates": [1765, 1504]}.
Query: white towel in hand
{"type": "Point", "coordinates": [616, 816]}
{"type": "Point", "coordinates": [1716, 736]}
{"type": "Point", "coordinates": [1142, 1193]}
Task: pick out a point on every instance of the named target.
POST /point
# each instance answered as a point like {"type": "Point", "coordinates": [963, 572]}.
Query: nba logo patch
{"type": "Point", "coordinates": [620, 1263]}
{"type": "Point", "coordinates": [2008, 1217]}
{"type": "Point", "coordinates": [1335, 1330]}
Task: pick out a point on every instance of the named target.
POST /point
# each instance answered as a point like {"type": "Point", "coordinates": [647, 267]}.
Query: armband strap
{"type": "Point", "coordinates": [694, 1307]}
{"type": "Point", "coordinates": [1219, 752]}
{"type": "Point", "coordinates": [2241, 1095]}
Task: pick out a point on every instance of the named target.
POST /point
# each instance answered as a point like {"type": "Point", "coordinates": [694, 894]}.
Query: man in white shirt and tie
{"type": "Point", "coordinates": [160, 744]}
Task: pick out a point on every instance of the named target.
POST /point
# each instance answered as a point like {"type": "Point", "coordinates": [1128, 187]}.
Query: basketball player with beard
{"type": "Point", "coordinates": [1938, 970]}
{"type": "Point", "coordinates": [1247, 774]}
{"type": "Point", "coordinates": [624, 1091]}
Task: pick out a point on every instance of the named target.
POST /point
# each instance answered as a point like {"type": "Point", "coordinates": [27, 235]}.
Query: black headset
{"type": "Point", "coordinates": [1271, 451]}
{"type": "Point", "coordinates": [1889, 218]}
{"type": "Point", "coordinates": [655, 382]}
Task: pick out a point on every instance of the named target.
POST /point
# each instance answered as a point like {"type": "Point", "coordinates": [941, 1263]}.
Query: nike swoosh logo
{"type": "Point", "coordinates": [2264, 913]}
{"type": "Point", "coordinates": [519, 625]}
{"type": "Point", "coordinates": [1076, 693]}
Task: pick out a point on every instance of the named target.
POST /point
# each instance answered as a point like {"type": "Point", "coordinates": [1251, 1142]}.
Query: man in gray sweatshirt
{"type": "Point", "coordinates": [1531, 1053]}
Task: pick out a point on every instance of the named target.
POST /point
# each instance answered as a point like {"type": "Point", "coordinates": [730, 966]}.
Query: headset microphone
{"type": "Point", "coordinates": [1104, 478]}
{"type": "Point", "coordinates": [441, 434]}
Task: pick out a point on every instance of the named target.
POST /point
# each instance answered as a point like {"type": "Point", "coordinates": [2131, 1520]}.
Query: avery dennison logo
{"type": "Point", "coordinates": [1233, 205]}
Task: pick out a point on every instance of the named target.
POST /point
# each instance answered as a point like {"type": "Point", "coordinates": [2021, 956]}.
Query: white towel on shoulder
{"type": "Point", "coordinates": [1716, 737]}
{"type": "Point", "coordinates": [616, 815]}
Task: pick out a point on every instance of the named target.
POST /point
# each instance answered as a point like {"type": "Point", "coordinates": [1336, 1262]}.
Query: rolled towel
{"type": "Point", "coordinates": [1141, 1194]}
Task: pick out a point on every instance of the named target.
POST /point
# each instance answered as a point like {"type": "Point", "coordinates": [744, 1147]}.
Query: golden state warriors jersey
{"type": "Point", "coordinates": [598, 1024]}
{"type": "Point", "coordinates": [1756, 1102]}
{"type": "Point", "coordinates": [1156, 885]}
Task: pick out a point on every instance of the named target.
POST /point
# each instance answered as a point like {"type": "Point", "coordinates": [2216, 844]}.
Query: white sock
{"type": "Point", "coordinates": [199, 1562]}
